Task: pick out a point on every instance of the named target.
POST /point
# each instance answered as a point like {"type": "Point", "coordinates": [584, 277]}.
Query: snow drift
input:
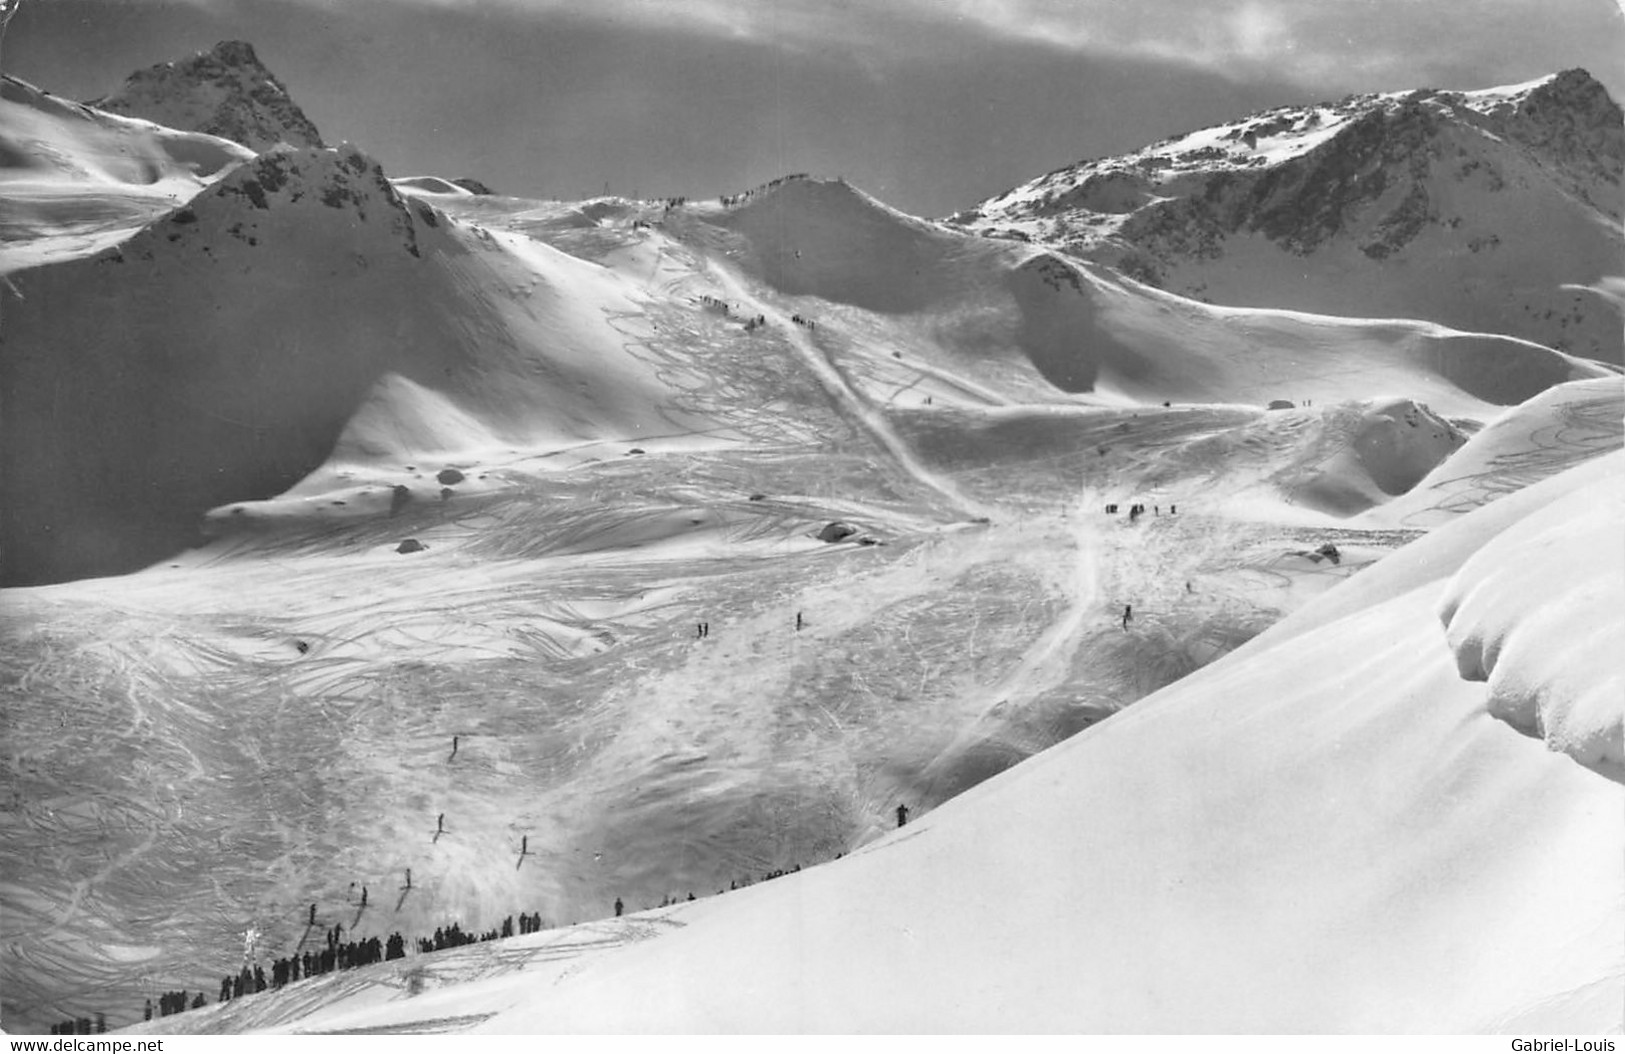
{"type": "Point", "coordinates": [1547, 655]}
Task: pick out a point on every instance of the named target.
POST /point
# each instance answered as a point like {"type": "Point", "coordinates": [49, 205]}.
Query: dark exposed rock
{"type": "Point", "coordinates": [341, 178]}
{"type": "Point", "coordinates": [836, 532]}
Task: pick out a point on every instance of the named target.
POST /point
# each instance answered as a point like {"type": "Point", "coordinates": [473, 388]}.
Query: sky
{"type": "Point", "coordinates": [930, 105]}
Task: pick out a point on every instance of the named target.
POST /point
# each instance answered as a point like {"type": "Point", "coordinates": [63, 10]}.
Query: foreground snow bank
{"type": "Point", "coordinates": [1538, 614]}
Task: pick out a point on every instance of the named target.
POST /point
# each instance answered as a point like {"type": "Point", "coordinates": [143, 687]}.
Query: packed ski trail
{"type": "Point", "coordinates": [846, 400]}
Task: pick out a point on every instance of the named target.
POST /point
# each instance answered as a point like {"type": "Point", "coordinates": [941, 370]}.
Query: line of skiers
{"type": "Point", "coordinates": [1136, 511]}
{"type": "Point", "coordinates": [800, 321]}
{"type": "Point", "coordinates": [735, 199]}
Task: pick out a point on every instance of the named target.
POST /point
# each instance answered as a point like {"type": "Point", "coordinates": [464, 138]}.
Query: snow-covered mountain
{"type": "Point", "coordinates": [225, 91]}
{"type": "Point", "coordinates": [505, 556]}
{"type": "Point", "coordinates": [1497, 209]}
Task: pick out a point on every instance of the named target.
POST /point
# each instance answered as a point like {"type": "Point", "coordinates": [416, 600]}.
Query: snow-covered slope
{"type": "Point", "coordinates": [1496, 210]}
{"type": "Point", "coordinates": [73, 178]}
{"type": "Point", "coordinates": [225, 91]}
{"type": "Point", "coordinates": [1081, 328]}
{"type": "Point", "coordinates": [512, 593]}
{"type": "Point", "coordinates": [221, 353]}
{"type": "Point", "coordinates": [1557, 429]}
{"type": "Point", "coordinates": [1167, 871]}
{"type": "Point", "coordinates": [1327, 831]}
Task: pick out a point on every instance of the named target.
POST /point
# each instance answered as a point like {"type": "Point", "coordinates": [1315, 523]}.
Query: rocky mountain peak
{"type": "Point", "coordinates": [1572, 121]}
{"type": "Point", "coordinates": [225, 91]}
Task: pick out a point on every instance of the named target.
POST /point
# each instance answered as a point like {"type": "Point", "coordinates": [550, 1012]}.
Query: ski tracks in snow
{"type": "Point", "coordinates": [848, 401]}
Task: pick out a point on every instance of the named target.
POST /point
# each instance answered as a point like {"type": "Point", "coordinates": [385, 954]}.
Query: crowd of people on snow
{"type": "Point", "coordinates": [736, 199]}
{"type": "Point", "coordinates": [336, 954]}
{"type": "Point", "coordinates": [1136, 511]}
{"type": "Point", "coordinates": [752, 323]}
{"type": "Point", "coordinates": [80, 1026]}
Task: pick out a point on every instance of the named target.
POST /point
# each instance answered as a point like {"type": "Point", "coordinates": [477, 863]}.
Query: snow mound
{"type": "Point", "coordinates": [1561, 427]}
{"type": "Point", "coordinates": [400, 420]}
{"type": "Point", "coordinates": [431, 185]}
{"type": "Point", "coordinates": [1084, 328]}
{"type": "Point", "coordinates": [1538, 615]}
{"type": "Point", "coordinates": [1340, 459]}
{"type": "Point", "coordinates": [75, 180]}
{"type": "Point", "coordinates": [1394, 444]}
{"type": "Point", "coordinates": [828, 239]}
{"type": "Point", "coordinates": [43, 137]}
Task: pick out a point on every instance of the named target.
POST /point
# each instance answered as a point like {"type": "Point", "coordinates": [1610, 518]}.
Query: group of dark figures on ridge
{"type": "Point", "coordinates": [337, 954]}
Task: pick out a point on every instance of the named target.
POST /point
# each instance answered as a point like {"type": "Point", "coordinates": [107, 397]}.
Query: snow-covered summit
{"type": "Point", "coordinates": [225, 91]}
{"type": "Point", "coordinates": [1420, 203]}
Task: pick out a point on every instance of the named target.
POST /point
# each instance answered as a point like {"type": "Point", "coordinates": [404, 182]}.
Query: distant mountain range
{"type": "Point", "coordinates": [1493, 210]}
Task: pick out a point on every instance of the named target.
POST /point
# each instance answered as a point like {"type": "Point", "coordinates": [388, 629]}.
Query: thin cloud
{"type": "Point", "coordinates": [1349, 44]}
{"type": "Point", "coordinates": [1312, 42]}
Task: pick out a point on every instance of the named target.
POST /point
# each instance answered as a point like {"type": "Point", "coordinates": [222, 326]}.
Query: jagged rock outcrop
{"type": "Point", "coordinates": [213, 357]}
{"type": "Point", "coordinates": [1489, 210]}
{"type": "Point", "coordinates": [341, 178]}
{"type": "Point", "coordinates": [225, 91]}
